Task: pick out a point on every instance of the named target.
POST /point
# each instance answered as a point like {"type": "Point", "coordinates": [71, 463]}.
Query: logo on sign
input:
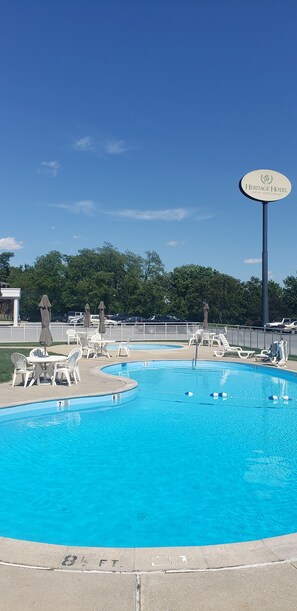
{"type": "Point", "coordinates": [266, 179]}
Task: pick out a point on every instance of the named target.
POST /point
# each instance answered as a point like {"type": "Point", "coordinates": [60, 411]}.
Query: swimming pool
{"type": "Point", "coordinates": [144, 346]}
{"type": "Point", "coordinates": [167, 464]}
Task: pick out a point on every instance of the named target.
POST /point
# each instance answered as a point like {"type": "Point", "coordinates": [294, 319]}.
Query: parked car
{"type": "Point", "coordinates": [278, 324]}
{"type": "Point", "coordinates": [75, 320]}
{"type": "Point", "coordinates": [110, 322]}
{"type": "Point", "coordinates": [133, 320]}
{"type": "Point", "coordinates": [291, 328]}
{"type": "Point", "coordinates": [116, 317]}
{"type": "Point", "coordinates": [159, 323]}
{"type": "Point", "coordinates": [94, 321]}
{"type": "Point", "coordinates": [169, 318]}
{"type": "Point", "coordinates": [73, 315]}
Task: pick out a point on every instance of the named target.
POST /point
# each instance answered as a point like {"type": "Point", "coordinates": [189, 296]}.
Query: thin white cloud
{"type": "Point", "coordinates": [10, 244]}
{"type": "Point", "coordinates": [252, 261]}
{"type": "Point", "coordinates": [169, 214]}
{"type": "Point", "coordinates": [116, 147]}
{"type": "Point", "coordinates": [50, 167]}
{"type": "Point", "coordinates": [85, 206]}
{"type": "Point", "coordinates": [84, 144]}
{"type": "Point", "coordinates": [76, 237]}
{"type": "Point", "coordinates": [175, 243]}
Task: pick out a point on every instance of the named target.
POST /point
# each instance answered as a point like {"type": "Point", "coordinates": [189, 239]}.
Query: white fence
{"type": "Point", "coordinates": [239, 336]}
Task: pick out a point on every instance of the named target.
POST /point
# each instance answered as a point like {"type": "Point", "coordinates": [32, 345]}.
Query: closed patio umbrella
{"type": "Point", "coordinates": [205, 319]}
{"type": "Point", "coordinates": [101, 327]}
{"type": "Point", "coordinates": [87, 317]}
{"type": "Point", "coordinates": [45, 314]}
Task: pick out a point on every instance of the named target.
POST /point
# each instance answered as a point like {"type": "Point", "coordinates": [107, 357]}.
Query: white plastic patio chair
{"type": "Point", "coordinates": [77, 371]}
{"type": "Point", "coordinates": [195, 336]}
{"type": "Point", "coordinates": [227, 349]}
{"type": "Point", "coordinates": [68, 368]}
{"type": "Point", "coordinates": [95, 337]}
{"type": "Point", "coordinates": [72, 336]}
{"type": "Point", "coordinates": [216, 338]}
{"type": "Point", "coordinates": [206, 337]}
{"type": "Point", "coordinates": [124, 347]}
{"type": "Point", "coordinates": [86, 347]}
{"type": "Point", "coordinates": [39, 352]}
{"type": "Point", "coordinates": [21, 367]}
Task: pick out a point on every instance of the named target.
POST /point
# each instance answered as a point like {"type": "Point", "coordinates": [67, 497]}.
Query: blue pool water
{"type": "Point", "coordinates": [143, 346]}
{"type": "Point", "coordinates": [156, 466]}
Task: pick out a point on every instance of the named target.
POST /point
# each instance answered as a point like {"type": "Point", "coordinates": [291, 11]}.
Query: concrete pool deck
{"type": "Point", "coordinates": [253, 575]}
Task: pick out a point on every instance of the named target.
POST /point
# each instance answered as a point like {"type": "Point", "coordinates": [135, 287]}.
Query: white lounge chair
{"type": "Point", "coordinates": [216, 340]}
{"type": "Point", "coordinates": [276, 355]}
{"type": "Point", "coordinates": [21, 367]}
{"type": "Point", "coordinates": [227, 349]}
{"type": "Point", "coordinates": [68, 368]}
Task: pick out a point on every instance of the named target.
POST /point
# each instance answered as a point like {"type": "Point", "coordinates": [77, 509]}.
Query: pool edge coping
{"type": "Point", "coordinates": [44, 556]}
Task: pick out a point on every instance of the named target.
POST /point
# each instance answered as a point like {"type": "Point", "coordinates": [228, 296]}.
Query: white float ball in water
{"type": "Point", "coordinates": [189, 393]}
{"type": "Point", "coordinates": [273, 397]}
{"type": "Point", "coordinates": [214, 394]}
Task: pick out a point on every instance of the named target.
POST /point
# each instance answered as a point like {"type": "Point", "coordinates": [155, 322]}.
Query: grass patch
{"type": "Point", "coordinates": [6, 366]}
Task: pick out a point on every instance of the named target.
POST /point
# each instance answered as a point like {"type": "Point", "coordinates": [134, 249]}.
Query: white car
{"type": "Point", "coordinates": [75, 320]}
{"type": "Point", "coordinates": [111, 323]}
{"type": "Point", "coordinates": [94, 321]}
{"type": "Point", "coordinates": [73, 317]}
{"type": "Point", "coordinates": [291, 328]}
{"type": "Point", "coordinates": [107, 321]}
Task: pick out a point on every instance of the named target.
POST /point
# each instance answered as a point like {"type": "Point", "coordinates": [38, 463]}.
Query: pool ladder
{"type": "Point", "coordinates": [195, 359]}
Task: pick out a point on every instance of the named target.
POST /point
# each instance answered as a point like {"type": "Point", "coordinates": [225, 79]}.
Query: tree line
{"type": "Point", "coordinates": [133, 285]}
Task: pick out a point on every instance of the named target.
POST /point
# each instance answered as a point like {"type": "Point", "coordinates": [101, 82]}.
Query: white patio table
{"type": "Point", "coordinates": [44, 366]}
{"type": "Point", "coordinates": [101, 345]}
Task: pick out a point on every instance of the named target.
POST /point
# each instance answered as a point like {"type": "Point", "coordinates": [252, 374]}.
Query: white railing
{"type": "Point", "coordinates": [237, 335]}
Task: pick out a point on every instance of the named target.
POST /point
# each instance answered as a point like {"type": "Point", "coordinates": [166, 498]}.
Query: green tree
{"type": "Point", "coordinates": [153, 267]}
{"type": "Point", "coordinates": [192, 284]}
{"type": "Point", "coordinates": [290, 296]}
{"type": "Point", "coordinates": [5, 265]}
{"type": "Point", "coordinates": [252, 301]}
{"type": "Point", "coordinates": [276, 301]}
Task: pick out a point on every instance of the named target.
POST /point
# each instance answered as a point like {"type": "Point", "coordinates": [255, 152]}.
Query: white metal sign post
{"type": "Point", "coordinates": [265, 186]}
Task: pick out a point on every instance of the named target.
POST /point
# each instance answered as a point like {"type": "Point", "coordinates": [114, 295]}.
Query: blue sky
{"type": "Point", "coordinates": [132, 122]}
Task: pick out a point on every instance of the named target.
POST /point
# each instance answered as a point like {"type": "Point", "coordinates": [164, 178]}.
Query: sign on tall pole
{"type": "Point", "coordinates": [265, 186]}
